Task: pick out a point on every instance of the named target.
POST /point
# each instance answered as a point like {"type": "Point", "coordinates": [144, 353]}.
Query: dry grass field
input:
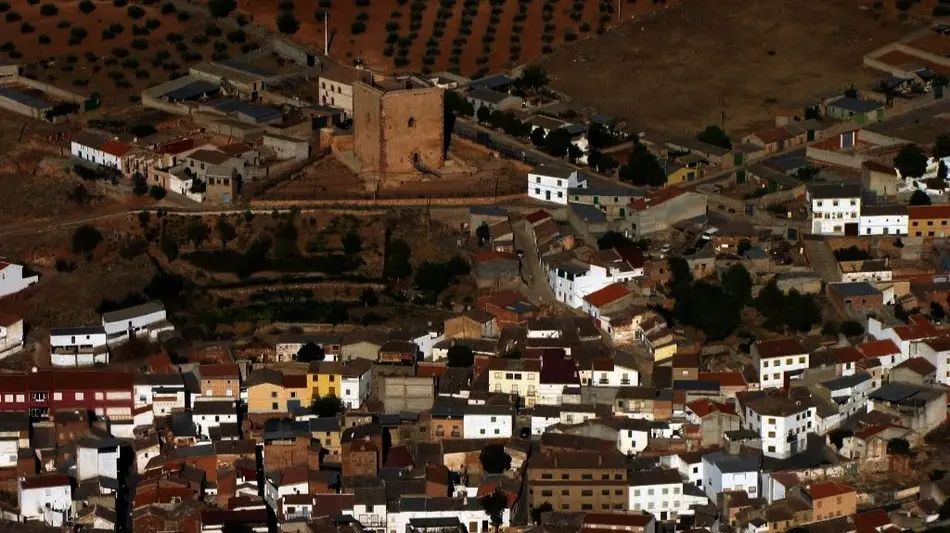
{"type": "Point", "coordinates": [673, 72]}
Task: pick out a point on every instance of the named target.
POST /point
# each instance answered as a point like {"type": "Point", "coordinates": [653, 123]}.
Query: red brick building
{"type": "Point", "coordinates": [510, 308]}
{"type": "Point", "coordinates": [106, 393]}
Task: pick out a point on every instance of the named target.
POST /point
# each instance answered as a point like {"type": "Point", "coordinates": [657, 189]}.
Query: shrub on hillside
{"type": "Point", "coordinates": [12, 16]}
{"type": "Point", "coordinates": [168, 8]}
{"type": "Point", "coordinates": [357, 28]}
{"type": "Point", "coordinates": [26, 27]}
{"type": "Point", "coordinates": [49, 10]}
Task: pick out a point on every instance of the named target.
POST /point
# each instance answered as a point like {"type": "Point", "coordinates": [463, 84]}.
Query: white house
{"type": "Point", "coordinates": [99, 149]}
{"type": "Point", "coordinates": [11, 335]}
{"type": "Point", "coordinates": [9, 448]}
{"type": "Point", "coordinates": [572, 279]}
{"type": "Point", "coordinates": [634, 435]}
{"type": "Point", "coordinates": [468, 511]}
{"type": "Point", "coordinates": [657, 492]}
{"type": "Point", "coordinates": [782, 423]}
{"type": "Point", "coordinates": [78, 346]}
{"type": "Point", "coordinates": [870, 270]}
{"type": "Point", "coordinates": [883, 220]}
{"type": "Point", "coordinates": [834, 207]}
{"type": "Point", "coordinates": [289, 481]}
{"type": "Point", "coordinates": [724, 472]}
{"type": "Point", "coordinates": [12, 280]}
{"type": "Point", "coordinates": [97, 458]}
{"type": "Point", "coordinates": [357, 383]}
{"type": "Point", "coordinates": [146, 449]}
{"type": "Point", "coordinates": [907, 338]}
{"type": "Point", "coordinates": [543, 417]}
{"type": "Point", "coordinates": [515, 376]}
{"type": "Point", "coordinates": [689, 465]}
{"type": "Point", "coordinates": [147, 318]}
{"type": "Point", "coordinates": [550, 184]}
{"type": "Point", "coordinates": [164, 392]}
{"type": "Point", "coordinates": [614, 372]}
{"type": "Point", "coordinates": [776, 358]}
{"type": "Point", "coordinates": [937, 352]}
{"type": "Point", "coordinates": [210, 414]}
{"type": "Point", "coordinates": [47, 498]}
{"type": "Point", "coordinates": [369, 507]}
{"type": "Point", "coordinates": [850, 393]}
{"type": "Point", "coordinates": [487, 422]}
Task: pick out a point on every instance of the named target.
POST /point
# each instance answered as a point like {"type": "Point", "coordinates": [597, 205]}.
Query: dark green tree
{"type": "Point", "coordinates": [557, 142]}
{"type": "Point", "coordinates": [352, 243]}
{"type": "Point", "coordinates": [287, 23]}
{"type": "Point", "coordinates": [598, 137]}
{"type": "Point", "coordinates": [536, 512]}
{"type": "Point", "coordinates": [221, 8]}
{"type": "Point", "coordinates": [537, 137]}
{"type": "Point", "coordinates": [643, 168]}
{"type": "Point", "coordinates": [483, 232]}
{"type": "Point", "coordinates": [139, 184]}
{"type": "Point", "coordinates": [226, 231]}
{"type": "Point", "coordinates": [396, 260]}
{"type": "Point", "coordinates": [494, 505]}
{"type": "Point", "coordinates": [942, 146]}
{"type": "Point", "coordinates": [715, 136]}
{"type": "Point", "coordinates": [911, 161]}
{"type": "Point", "coordinates": [369, 298]}
{"type": "Point", "coordinates": [327, 406]}
{"type": "Point", "coordinates": [157, 192]}
{"type": "Point", "coordinates": [898, 447]}
{"type": "Point", "coordinates": [310, 352]}
{"type": "Point", "coordinates": [483, 114]}
{"type": "Point", "coordinates": [614, 239]}
{"type": "Point", "coordinates": [919, 198]}
{"type": "Point", "coordinates": [170, 248]}
{"type": "Point", "coordinates": [197, 232]}
{"type": "Point", "coordinates": [851, 328]}
{"type": "Point", "coordinates": [85, 239]}
{"type": "Point", "coordinates": [532, 77]}
{"type": "Point", "coordinates": [460, 355]}
{"type": "Point", "coordinates": [494, 459]}
{"type": "Point", "coordinates": [738, 284]}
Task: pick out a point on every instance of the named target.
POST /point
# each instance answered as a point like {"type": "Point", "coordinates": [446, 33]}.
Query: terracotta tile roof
{"type": "Point", "coordinates": [725, 379]}
{"type": "Point", "coordinates": [780, 348]}
{"type": "Point", "coordinates": [428, 369]}
{"type": "Point", "coordinates": [704, 407]}
{"type": "Point", "coordinates": [537, 216]}
{"type": "Point", "coordinates": [115, 148]}
{"type": "Point", "coordinates": [924, 212]}
{"type": "Point", "coordinates": [492, 255]}
{"type": "Point", "coordinates": [871, 521]}
{"type": "Point", "coordinates": [879, 348]}
{"type": "Point", "coordinates": [45, 480]}
{"type": "Point", "coordinates": [827, 490]}
{"type": "Point", "coordinates": [918, 365]}
{"type": "Point", "coordinates": [656, 198]}
{"type": "Point", "coordinates": [847, 354]}
{"type": "Point", "coordinates": [8, 320]}
{"type": "Point", "coordinates": [610, 293]}
{"type": "Point", "coordinates": [219, 371]}
{"type": "Point", "coordinates": [870, 431]}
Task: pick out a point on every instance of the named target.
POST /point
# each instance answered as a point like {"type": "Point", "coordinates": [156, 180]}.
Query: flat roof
{"type": "Point", "coordinates": [24, 99]}
{"type": "Point", "coordinates": [192, 90]}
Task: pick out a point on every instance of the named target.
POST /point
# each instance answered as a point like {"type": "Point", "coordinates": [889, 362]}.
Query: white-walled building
{"type": "Point", "coordinates": [871, 271]}
{"type": "Point", "coordinates": [658, 492]}
{"type": "Point", "coordinates": [572, 279]}
{"type": "Point", "coordinates": [850, 393]}
{"type": "Point", "coordinates": [357, 382]}
{"type": "Point", "coordinates": [487, 422]}
{"type": "Point", "coordinates": [289, 481]}
{"type": "Point", "coordinates": [210, 414]}
{"type": "Point", "coordinates": [619, 371]}
{"type": "Point", "coordinates": [774, 359]}
{"type": "Point", "coordinates": [99, 149]}
{"type": "Point", "coordinates": [11, 335]}
{"type": "Point", "coordinates": [724, 472]}
{"type": "Point", "coordinates": [12, 280]}
{"type": "Point", "coordinates": [97, 458]}
{"type": "Point", "coordinates": [908, 338]}
{"type": "Point", "coordinates": [937, 352]}
{"type": "Point", "coordinates": [521, 377]}
{"type": "Point", "coordinates": [78, 346]}
{"type": "Point", "coordinates": [47, 498]}
{"type": "Point", "coordinates": [543, 417]}
{"type": "Point", "coordinates": [468, 511]}
{"type": "Point", "coordinates": [550, 184]}
{"type": "Point", "coordinates": [883, 220]}
{"type": "Point", "coordinates": [147, 318]}
{"type": "Point", "coordinates": [834, 207]}
{"type": "Point", "coordinates": [336, 85]}
{"type": "Point", "coordinates": [782, 423]}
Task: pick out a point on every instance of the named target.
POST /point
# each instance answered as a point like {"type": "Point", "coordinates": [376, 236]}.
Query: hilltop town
{"type": "Point", "coordinates": [316, 266]}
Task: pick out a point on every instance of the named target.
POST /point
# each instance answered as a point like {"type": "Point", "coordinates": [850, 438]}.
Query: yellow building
{"type": "Point", "coordinates": [327, 432]}
{"type": "Point", "coordinates": [324, 379]}
{"type": "Point", "coordinates": [269, 391]}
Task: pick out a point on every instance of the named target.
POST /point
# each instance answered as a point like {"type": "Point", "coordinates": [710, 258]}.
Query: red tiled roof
{"type": "Point", "coordinates": [537, 216]}
{"type": "Point", "coordinates": [879, 348]}
{"type": "Point", "coordinates": [870, 431]}
{"type": "Point", "coordinates": [218, 370]}
{"type": "Point", "coordinates": [827, 490]}
{"type": "Point", "coordinates": [177, 147]}
{"type": "Point", "coordinates": [780, 348]}
{"type": "Point", "coordinates": [45, 480]}
{"type": "Point", "coordinates": [847, 354]}
{"type": "Point", "coordinates": [924, 212]}
{"type": "Point", "coordinates": [918, 365]}
{"type": "Point", "coordinates": [295, 381]}
{"type": "Point", "coordinates": [634, 256]}
{"type": "Point", "coordinates": [66, 380]}
{"type": "Point", "coordinates": [555, 368]}
{"type": "Point", "coordinates": [725, 379]}
{"type": "Point", "coordinates": [115, 148]}
{"type": "Point", "coordinates": [876, 166]}
{"type": "Point", "coordinates": [656, 198]}
{"type": "Point", "coordinates": [428, 369]}
{"type": "Point", "coordinates": [704, 407]}
{"type": "Point", "coordinates": [492, 255]}
{"type": "Point", "coordinates": [8, 320]}
{"type": "Point", "coordinates": [870, 521]}
{"type": "Point", "coordinates": [610, 293]}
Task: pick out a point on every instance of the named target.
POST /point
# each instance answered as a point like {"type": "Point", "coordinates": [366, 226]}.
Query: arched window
{"type": "Point", "coordinates": [412, 122]}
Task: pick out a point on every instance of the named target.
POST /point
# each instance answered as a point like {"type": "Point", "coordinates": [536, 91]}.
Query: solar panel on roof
{"type": "Point", "coordinates": [24, 99]}
{"type": "Point", "coordinates": [192, 90]}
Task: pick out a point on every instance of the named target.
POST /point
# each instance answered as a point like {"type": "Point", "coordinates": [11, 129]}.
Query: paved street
{"type": "Point", "coordinates": [532, 273]}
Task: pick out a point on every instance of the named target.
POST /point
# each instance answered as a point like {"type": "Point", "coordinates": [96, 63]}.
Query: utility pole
{"type": "Point", "coordinates": [326, 33]}
{"type": "Point", "coordinates": [722, 112]}
{"type": "Point", "coordinates": [619, 11]}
